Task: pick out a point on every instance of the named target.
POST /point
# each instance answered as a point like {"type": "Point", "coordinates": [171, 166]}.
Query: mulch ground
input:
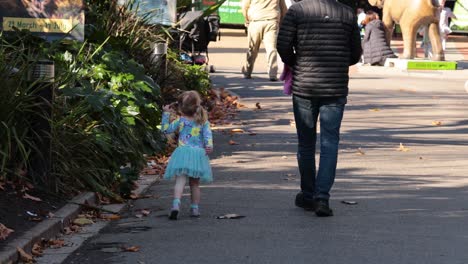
{"type": "Point", "coordinates": [21, 214]}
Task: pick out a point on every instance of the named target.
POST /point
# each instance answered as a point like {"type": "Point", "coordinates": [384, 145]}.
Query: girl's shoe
{"type": "Point", "coordinates": [175, 209]}
{"type": "Point", "coordinates": [194, 212]}
{"type": "Point", "coordinates": [173, 215]}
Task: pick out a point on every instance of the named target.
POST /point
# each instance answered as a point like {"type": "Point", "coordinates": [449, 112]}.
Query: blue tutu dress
{"type": "Point", "coordinates": [189, 158]}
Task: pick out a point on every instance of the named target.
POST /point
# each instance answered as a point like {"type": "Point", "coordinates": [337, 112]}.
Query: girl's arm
{"type": "Point", "coordinates": [166, 127]}
{"type": "Point", "coordinates": [207, 137]}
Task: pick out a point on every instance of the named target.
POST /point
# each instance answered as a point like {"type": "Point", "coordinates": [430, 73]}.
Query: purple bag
{"type": "Point", "coordinates": [287, 77]}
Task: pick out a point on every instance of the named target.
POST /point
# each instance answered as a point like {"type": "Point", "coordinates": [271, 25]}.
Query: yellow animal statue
{"type": "Point", "coordinates": [411, 15]}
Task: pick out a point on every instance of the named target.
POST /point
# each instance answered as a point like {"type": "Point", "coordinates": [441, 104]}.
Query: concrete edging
{"type": "Point", "coordinates": [51, 227]}
{"type": "Point", "coordinates": [46, 229]}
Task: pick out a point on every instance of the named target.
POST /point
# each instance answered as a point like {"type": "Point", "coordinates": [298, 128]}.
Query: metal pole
{"type": "Point", "coordinates": [42, 75]}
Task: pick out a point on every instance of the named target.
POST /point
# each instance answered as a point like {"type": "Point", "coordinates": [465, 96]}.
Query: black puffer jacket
{"type": "Point", "coordinates": [319, 40]}
{"type": "Point", "coordinates": [376, 49]}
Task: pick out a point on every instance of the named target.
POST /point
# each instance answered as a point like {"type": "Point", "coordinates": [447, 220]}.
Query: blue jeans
{"type": "Point", "coordinates": [306, 112]}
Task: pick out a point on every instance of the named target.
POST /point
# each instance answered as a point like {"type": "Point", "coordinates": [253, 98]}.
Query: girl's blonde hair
{"type": "Point", "coordinates": [190, 105]}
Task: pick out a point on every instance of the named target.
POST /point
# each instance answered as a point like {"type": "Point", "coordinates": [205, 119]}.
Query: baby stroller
{"type": "Point", "coordinates": [196, 32]}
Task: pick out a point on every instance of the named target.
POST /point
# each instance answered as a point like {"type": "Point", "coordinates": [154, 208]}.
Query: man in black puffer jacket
{"type": "Point", "coordinates": [318, 40]}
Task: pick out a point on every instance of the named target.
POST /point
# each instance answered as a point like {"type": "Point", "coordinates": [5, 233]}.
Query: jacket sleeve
{"type": "Point", "coordinates": [287, 38]}
{"type": "Point", "coordinates": [356, 48]}
{"type": "Point", "coordinates": [207, 135]}
{"type": "Point", "coordinates": [168, 127]}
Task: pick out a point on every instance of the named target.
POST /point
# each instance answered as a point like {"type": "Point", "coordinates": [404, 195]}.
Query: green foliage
{"type": "Point", "coordinates": [110, 109]}
{"type": "Point", "coordinates": [105, 111]}
{"type": "Point", "coordinates": [196, 78]}
{"type": "Point", "coordinates": [106, 107]}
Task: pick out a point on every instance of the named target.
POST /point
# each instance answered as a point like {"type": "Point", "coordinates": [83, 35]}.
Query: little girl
{"type": "Point", "coordinates": [190, 158]}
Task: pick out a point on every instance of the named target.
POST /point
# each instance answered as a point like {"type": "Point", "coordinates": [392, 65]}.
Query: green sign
{"type": "Point", "coordinates": [50, 19]}
{"type": "Point", "coordinates": [432, 65]}
{"type": "Point", "coordinates": [461, 11]}
{"type": "Point", "coordinates": [231, 12]}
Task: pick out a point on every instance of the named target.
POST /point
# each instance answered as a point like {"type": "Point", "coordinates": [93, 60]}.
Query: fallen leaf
{"type": "Point", "coordinates": [258, 105]}
{"type": "Point", "coordinates": [31, 214]}
{"type": "Point", "coordinates": [56, 243]}
{"type": "Point", "coordinates": [134, 196]}
{"type": "Point", "coordinates": [35, 219]}
{"type": "Point", "coordinates": [237, 130]}
{"type": "Point", "coordinates": [374, 109]}
{"type": "Point", "coordinates": [290, 177]}
{"type": "Point", "coordinates": [67, 230]}
{"type": "Point", "coordinates": [232, 142]}
{"type": "Point", "coordinates": [25, 257]}
{"type": "Point", "coordinates": [360, 152]}
{"type": "Point", "coordinates": [145, 212]}
{"type": "Point", "coordinates": [403, 148]}
{"type": "Point", "coordinates": [230, 216]}
{"type": "Point", "coordinates": [349, 202]}
{"type": "Point", "coordinates": [436, 123]}
{"type": "Point", "coordinates": [284, 157]}
{"type": "Point", "coordinates": [110, 216]}
{"type": "Point", "coordinates": [75, 228]}
{"type": "Point", "coordinates": [292, 123]}
{"type": "Point", "coordinates": [5, 232]}
{"type": "Point", "coordinates": [37, 250]}
{"type": "Point", "coordinates": [27, 196]}
{"type": "Point", "coordinates": [251, 133]}
{"type": "Point", "coordinates": [83, 221]}
{"type": "Point", "coordinates": [132, 249]}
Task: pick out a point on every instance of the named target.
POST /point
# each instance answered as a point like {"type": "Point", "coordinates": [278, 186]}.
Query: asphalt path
{"type": "Point", "coordinates": [412, 201]}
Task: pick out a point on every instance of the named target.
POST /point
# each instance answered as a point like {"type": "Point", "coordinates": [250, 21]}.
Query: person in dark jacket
{"type": "Point", "coordinates": [318, 40]}
{"type": "Point", "coordinates": [374, 44]}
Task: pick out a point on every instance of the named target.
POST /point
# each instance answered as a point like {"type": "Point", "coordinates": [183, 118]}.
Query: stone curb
{"type": "Point", "coordinates": [51, 227]}
{"type": "Point", "coordinates": [46, 229]}
{"type": "Point", "coordinates": [58, 255]}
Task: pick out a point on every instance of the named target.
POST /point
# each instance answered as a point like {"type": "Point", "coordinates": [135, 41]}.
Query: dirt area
{"type": "Point", "coordinates": [21, 214]}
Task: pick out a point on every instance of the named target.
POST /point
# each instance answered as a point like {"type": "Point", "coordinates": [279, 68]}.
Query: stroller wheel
{"type": "Point", "coordinates": [212, 69]}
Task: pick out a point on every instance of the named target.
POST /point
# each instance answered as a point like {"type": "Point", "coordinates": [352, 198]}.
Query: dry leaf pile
{"type": "Point", "coordinates": [5, 232]}
{"type": "Point", "coordinates": [157, 164]}
{"type": "Point", "coordinates": [222, 106]}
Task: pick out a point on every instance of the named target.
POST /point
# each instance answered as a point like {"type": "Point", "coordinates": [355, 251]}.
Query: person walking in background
{"type": "Point", "coordinates": [445, 14]}
{"type": "Point", "coordinates": [261, 19]}
{"type": "Point", "coordinates": [361, 15]}
{"type": "Point", "coordinates": [375, 45]}
{"type": "Point", "coordinates": [318, 40]}
{"type": "Point", "coordinates": [190, 158]}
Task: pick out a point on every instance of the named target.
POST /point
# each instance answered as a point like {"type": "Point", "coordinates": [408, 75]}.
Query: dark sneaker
{"type": "Point", "coordinates": [246, 75]}
{"type": "Point", "coordinates": [302, 203]}
{"type": "Point", "coordinates": [322, 209]}
{"type": "Point", "coordinates": [273, 79]}
{"type": "Point", "coordinates": [173, 215]}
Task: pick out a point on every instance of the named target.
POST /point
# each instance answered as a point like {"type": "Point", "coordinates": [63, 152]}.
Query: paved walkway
{"type": "Point", "coordinates": [412, 206]}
